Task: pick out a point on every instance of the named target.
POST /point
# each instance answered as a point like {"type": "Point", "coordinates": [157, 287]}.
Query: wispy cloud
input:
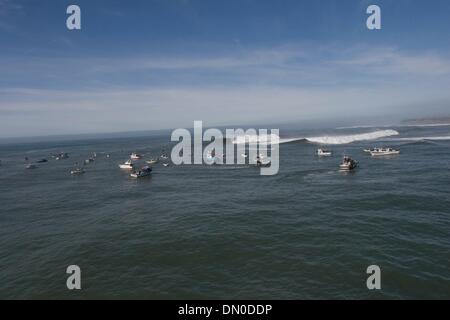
{"type": "Point", "coordinates": [276, 84]}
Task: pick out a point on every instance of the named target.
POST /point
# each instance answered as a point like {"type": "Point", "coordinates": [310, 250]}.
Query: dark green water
{"type": "Point", "coordinates": [225, 231]}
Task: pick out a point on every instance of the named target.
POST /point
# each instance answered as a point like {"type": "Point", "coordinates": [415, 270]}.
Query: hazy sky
{"type": "Point", "coordinates": [143, 65]}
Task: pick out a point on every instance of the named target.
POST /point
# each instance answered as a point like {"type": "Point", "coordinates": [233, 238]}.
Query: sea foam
{"type": "Point", "coordinates": [328, 139]}
{"type": "Point", "coordinates": [344, 139]}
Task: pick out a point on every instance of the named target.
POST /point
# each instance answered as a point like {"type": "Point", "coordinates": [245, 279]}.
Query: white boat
{"type": "Point", "coordinates": [128, 165]}
{"type": "Point", "coordinates": [165, 164]}
{"type": "Point", "coordinates": [323, 152]}
{"type": "Point", "coordinates": [348, 164]}
{"type": "Point", "coordinates": [261, 161]}
{"type": "Point", "coordinates": [31, 166]}
{"type": "Point", "coordinates": [144, 172]}
{"type": "Point", "coordinates": [135, 156]}
{"type": "Point", "coordinates": [384, 152]}
{"type": "Point", "coordinates": [87, 161]}
{"type": "Point", "coordinates": [62, 155]}
{"type": "Point", "coordinates": [77, 171]}
{"type": "Point", "coordinates": [152, 161]}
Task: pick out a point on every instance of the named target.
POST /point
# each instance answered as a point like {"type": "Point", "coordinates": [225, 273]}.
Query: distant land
{"type": "Point", "coordinates": [433, 120]}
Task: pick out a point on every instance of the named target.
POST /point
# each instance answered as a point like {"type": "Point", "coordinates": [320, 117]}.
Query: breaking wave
{"type": "Point", "coordinates": [421, 138]}
{"type": "Point", "coordinates": [344, 139]}
{"type": "Point", "coordinates": [329, 139]}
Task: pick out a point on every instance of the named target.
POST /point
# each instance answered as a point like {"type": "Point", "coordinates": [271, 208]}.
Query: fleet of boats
{"type": "Point", "coordinates": [347, 163]}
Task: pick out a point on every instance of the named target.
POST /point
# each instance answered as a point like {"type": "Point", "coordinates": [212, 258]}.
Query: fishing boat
{"type": "Point", "coordinates": [77, 171]}
{"type": "Point", "coordinates": [323, 152]}
{"type": "Point", "coordinates": [62, 155]}
{"type": "Point", "coordinates": [384, 152]}
{"type": "Point", "coordinates": [348, 164]}
{"type": "Point", "coordinates": [152, 161]}
{"type": "Point", "coordinates": [144, 172]}
{"type": "Point", "coordinates": [135, 156]}
{"type": "Point", "coordinates": [128, 165]}
{"type": "Point", "coordinates": [90, 160]}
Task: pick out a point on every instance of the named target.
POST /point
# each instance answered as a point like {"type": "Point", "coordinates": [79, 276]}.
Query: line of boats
{"type": "Point", "coordinates": [349, 164]}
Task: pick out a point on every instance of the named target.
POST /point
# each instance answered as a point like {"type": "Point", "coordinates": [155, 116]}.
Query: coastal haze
{"type": "Point", "coordinates": [136, 71]}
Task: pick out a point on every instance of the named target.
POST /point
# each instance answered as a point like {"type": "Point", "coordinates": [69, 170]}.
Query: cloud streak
{"type": "Point", "coordinates": [249, 86]}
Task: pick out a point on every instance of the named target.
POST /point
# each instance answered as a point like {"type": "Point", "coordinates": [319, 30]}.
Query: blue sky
{"type": "Point", "coordinates": [143, 65]}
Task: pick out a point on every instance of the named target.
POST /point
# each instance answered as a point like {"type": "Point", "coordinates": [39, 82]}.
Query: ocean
{"type": "Point", "coordinates": [225, 231]}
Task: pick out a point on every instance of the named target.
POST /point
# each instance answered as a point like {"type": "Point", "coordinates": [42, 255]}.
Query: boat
{"type": "Point", "coordinates": [152, 161]}
{"type": "Point", "coordinates": [42, 161]}
{"type": "Point", "coordinates": [348, 164]}
{"type": "Point", "coordinates": [62, 155]}
{"type": "Point", "coordinates": [384, 152]}
{"type": "Point", "coordinates": [323, 152]}
{"type": "Point", "coordinates": [144, 172]}
{"type": "Point", "coordinates": [128, 165]}
{"type": "Point", "coordinates": [87, 161]}
{"type": "Point", "coordinates": [30, 166]}
{"type": "Point", "coordinates": [260, 162]}
{"type": "Point", "coordinates": [77, 171]}
{"type": "Point", "coordinates": [165, 164]}
{"type": "Point", "coordinates": [135, 156]}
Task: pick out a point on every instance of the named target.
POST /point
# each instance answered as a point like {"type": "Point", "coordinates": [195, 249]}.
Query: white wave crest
{"type": "Point", "coordinates": [344, 139]}
{"type": "Point", "coordinates": [254, 139]}
{"type": "Point", "coordinates": [421, 138]}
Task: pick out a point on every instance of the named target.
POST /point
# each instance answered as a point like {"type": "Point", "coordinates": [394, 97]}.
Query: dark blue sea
{"type": "Point", "coordinates": [225, 231]}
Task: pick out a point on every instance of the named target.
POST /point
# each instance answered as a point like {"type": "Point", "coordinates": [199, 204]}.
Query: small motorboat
{"type": "Point", "coordinates": [384, 152]}
{"type": "Point", "coordinates": [62, 155]}
{"type": "Point", "coordinates": [135, 156]}
{"type": "Point", "coordinates": [165, 164]}
{"type": "Point", "coordinates": [77, 171]}
{"type": "Point", "coordinates": [128, 165]}
{"type": "Point", "coordinates": [144, 172]}
{"type": "Point", "coordinates": [323, 152]}
{"type": "Point", "coordinates": [152, 161]}
{"type": "Point", "coordinates": [348, 164]}
{"type": "Point", "coordinates": [30, 166]}
{"type": "Point", "coordinates": [90, 160]}
{"type": "Point", "coordinates": [42, 161]}
{"type": "Point", "coordinates": [261, 162]}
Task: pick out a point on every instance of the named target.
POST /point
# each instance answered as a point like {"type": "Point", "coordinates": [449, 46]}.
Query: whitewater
{"type": "Point", "coordinates": [325, 139]}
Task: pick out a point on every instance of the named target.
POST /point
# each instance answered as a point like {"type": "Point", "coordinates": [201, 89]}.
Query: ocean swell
{"type": "Point", "coordinates": [344, 139]}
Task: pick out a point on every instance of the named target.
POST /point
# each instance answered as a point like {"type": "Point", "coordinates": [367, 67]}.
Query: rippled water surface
{"type": "Point", "coordinates": [225, 231]}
